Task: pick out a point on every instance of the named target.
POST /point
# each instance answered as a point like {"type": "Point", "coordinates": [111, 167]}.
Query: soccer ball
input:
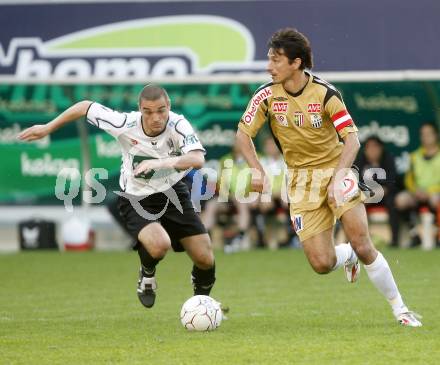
{"type": "Point", "coordinates": [201, 313]}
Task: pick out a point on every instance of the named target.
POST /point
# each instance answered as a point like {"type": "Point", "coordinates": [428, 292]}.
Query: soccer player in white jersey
{"type": "Point", "coordinates": [157, 147]}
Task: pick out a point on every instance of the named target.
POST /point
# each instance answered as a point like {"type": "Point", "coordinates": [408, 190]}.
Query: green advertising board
{"type": "Point", "coordinates": [392, 110]}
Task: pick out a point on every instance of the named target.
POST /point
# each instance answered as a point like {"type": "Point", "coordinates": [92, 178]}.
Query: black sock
{"type": "Point", "coordinates": [148, 263]}
{"type": "Point", "coordinates": [203, 280]}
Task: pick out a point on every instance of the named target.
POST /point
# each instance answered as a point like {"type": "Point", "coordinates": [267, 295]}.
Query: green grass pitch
{"type": "Point", "coordinates": [82, 308]}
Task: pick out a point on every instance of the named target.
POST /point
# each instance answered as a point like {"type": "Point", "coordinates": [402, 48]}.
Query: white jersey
{"type": "Point", "coordinates": [177, 138]}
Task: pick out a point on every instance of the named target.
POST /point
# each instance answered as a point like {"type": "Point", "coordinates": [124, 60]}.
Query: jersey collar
{"type": "Point", "coordinates": [298, 93]}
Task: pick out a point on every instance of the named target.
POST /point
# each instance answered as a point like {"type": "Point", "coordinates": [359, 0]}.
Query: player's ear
{"type": "Point", "coordinates": [297, 63]}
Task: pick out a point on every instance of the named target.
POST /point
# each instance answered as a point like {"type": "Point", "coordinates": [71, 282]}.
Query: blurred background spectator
{"type": "Point", "coordinates": [373, 156]}
{"type": "Point", "coordinates": [422, 181]}
{"type": "Point", "coordinates": [271, 216]}
{"type": "Point", "coordinates": [227, 209]}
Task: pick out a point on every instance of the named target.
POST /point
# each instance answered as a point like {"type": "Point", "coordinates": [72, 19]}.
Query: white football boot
{"type": "Point", "coordinates": [409, 319]}
{"type": "Point", "coordinates": [352, 268]}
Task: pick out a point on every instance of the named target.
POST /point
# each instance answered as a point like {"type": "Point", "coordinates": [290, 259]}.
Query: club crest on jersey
{"type": "Point", "coordinates": [316, 120]}
{"type": "Point", "coordinates": [133, 142]}
{"type": "Point", "coordinates": [258, 98]}
{"type": "Point", "coordinates": [314, 108]}
{"type": "Point", "coordinates": [281, 119]}
{"type": "Point", "coordinates": [298, 119]}
{"type": "Point", "coordinates": [279, 107]}
{"type": "Point", "coordinates": [190, 139]}
{"type": "Point", "coordinates": [297, 222]}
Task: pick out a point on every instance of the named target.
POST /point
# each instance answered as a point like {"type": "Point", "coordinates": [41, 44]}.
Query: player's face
{"type": "Point", "coordinates": [279, 67]}
{"type": "Point", "coordinates": [155, 115]}
{"type": "Point", "coordinates": [428, 136]}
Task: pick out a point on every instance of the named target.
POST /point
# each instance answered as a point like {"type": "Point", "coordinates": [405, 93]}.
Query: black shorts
{"type": "Point", "coordinates": [178, 225]}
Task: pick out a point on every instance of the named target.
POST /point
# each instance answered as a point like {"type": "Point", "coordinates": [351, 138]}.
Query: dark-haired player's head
{"type": "Point", "coordinates": [428, 134]}
{"type": "Point", "coordinates": [293, 45]}
{"type": "Point", "coordinates": [153, 92]}
{"type": "Point", "coordinates": [154, 105]}
{"type": "Point", "coordinates": [289, 51]}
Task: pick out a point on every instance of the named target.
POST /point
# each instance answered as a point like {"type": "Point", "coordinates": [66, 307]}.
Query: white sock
{"type": "Point", "coordinates": [380, 275]}
{"type": "Point", "coordinates": [343, 253]}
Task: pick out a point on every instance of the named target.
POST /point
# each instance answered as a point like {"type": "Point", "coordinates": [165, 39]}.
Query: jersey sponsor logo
{"type": "Point", "coordinates": [314, 108]}
{"type": "Point", "coordinates": [297, 222]}
{"type": "Point", "coordinates": [298, 119]}
{"type": "Point", "coordinates": [280, 98]}
{"type": "Point", "coordinates": [282, 119]}
{"type": "Point", "coordinates": [255, 103]}
{"type": "Point", "coordinates": [131, 124]}
{"type": "Point", "coordinates": [316, 121]}
{"type": "Point", "coordinates": [279, 107]}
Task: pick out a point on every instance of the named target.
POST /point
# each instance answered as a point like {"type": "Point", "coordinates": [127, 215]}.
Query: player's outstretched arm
{"type": "Point", "coordinates": [192, 159]}
{"type": "Point", "coordinates": [38, 131]}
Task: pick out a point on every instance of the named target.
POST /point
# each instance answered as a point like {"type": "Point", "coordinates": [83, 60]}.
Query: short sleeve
{"type": "Point", "coordinates": [106, 119]}
{"type": "Point", "coordinates": [338, 113]}
{"type": "Point", "coordinates": [256, 112]}
{"type": "Point", "coordinates": [186, 137]}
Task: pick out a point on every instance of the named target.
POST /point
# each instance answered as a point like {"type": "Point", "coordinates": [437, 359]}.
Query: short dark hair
{"type": "Point", "coordinates": [153, 92]}
{"type": "Point", "coordinates": [294, 44]}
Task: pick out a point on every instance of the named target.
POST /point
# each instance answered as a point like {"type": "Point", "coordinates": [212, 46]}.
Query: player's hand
{"type": "Point", "coordinates": [335, 193]}
{"type": "Point", "coordinates": [260, 181]}
{"type": "Point", "coordinates": [35, 132]}
{"type": "Point", "coordinates": [146, 165]}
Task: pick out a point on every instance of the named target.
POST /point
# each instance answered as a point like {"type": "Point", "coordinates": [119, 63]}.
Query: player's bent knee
{"type": "Point", "coordinates": [365, 251]}
{"type": "Point", "coordinates": [155, 239]}
{"type": "Point", "coordinates": [158, 248]}
{"type": "Point", "coordinates": [162, 246]}
{"type": "Point", "coordinates": [322, 265]}
{"type": "Point", "coordinates": [205, 260]}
